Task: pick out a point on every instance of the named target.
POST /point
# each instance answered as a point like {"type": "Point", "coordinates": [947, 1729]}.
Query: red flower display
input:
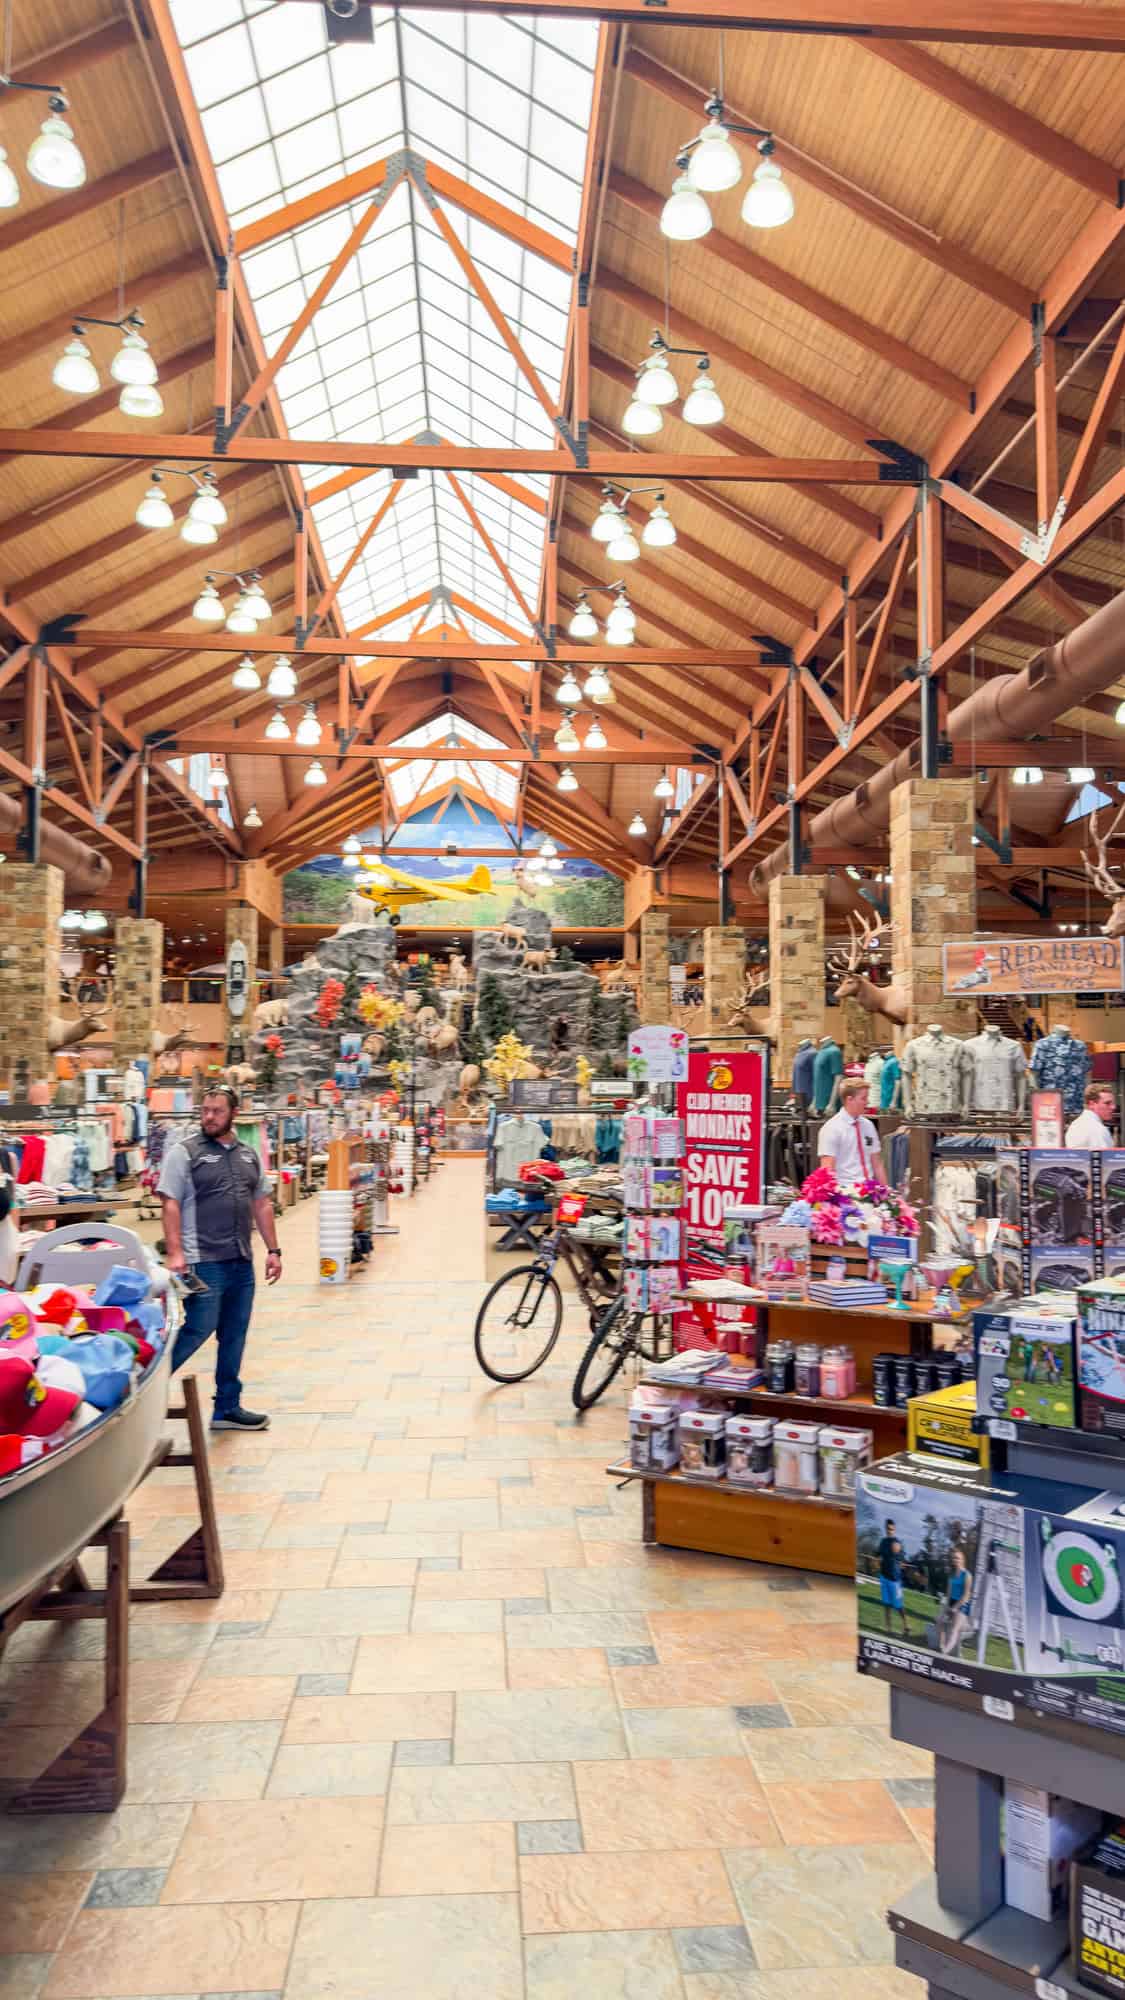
{"type": "Point", "coordinates": [329, 1002]}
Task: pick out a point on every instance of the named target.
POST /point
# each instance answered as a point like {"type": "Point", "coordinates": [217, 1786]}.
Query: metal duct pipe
{"type": "Point", "coordinates": [1012, 706]}
{"type": "Point", "coordinates": [87, 872]}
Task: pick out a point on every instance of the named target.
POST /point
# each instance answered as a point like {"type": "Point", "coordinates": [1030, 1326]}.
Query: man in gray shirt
{"type": "Point", "coordinates": [213, 1191]}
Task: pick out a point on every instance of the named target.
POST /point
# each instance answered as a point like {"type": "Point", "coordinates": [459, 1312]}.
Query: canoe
{"type": "Point", "coordinates": [51, 1508]}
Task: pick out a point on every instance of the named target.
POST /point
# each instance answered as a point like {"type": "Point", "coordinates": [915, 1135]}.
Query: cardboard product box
{"type": "Point", "coordinates": [1059, 1196]}
{"type": "Point", "coordinates": [1112, 1165]}
{"type": "Point", "coordinates": [1100, 1360]}
{"type": "Point", "coordinates": [1097, 1914]}
{"type": "Point", "coordinates": [1009, 1205]}
{"type": "Point", "coordinates": [1040, 1622]}
{"type": "Point", "coordinates": [1025, 1365]}
{"type": "Point", "coordinates": [1061, 1267]}
{"type": "Point", "coordinates": [942, 1424]}
{"type": "Point", "coordinates": [1041, 1834]}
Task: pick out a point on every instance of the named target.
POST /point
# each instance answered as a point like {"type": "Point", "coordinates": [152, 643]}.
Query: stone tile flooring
{"type": "Point", "coordinates": [452, 1729]}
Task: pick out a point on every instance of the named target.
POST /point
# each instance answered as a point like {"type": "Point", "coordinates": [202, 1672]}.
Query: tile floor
{"type": "Point", "coordinates": [452, 1729]}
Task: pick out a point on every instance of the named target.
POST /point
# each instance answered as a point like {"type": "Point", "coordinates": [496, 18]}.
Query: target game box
{"type": "Point", "coordinates": [997, 1585]}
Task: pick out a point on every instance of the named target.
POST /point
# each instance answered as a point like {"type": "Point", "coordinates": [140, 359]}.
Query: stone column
{"type": "Point", "coordinates": [796, 904]}
{"type": "Point", "coordinates": [136, 986]}
{"type": "Point", "coordinates": [724, 963]}
{"type": "Point", "coordinates": [31, 903]}
{"type": "Point", "coordinates": [858, 1031]}
{"type": "Point", "coordinates": [277, 951]}
{"type": "Point", "coordinates": [933, 895]}
{"type": "Point", "coordinates": [242, 923]}
{"type": "Point", "coordinates": [654, 999]}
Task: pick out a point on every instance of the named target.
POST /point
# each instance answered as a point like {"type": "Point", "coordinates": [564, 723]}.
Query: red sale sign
{"type": "Point", "coordinates": [723, 1106]}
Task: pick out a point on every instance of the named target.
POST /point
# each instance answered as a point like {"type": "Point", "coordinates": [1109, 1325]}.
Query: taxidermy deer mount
{"type": "Point", "coordinates": [1102, 877]}
{"type": "Point", "coordinates": [890, 1001]}
{"type": "Point", "coordinates": [754, 985]}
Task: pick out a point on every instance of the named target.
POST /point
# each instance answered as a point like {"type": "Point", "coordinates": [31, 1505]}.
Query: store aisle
{"type": "Point", "coordinates": [452, 1729]}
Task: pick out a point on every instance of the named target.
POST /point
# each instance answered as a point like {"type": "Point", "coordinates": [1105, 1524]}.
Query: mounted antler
{"type": "Point", "coordinates": [865, 937]}
{"type": "Point", "coordinates": [1102, 876]}
{"type": "Point", "coordinates": [754, 982]}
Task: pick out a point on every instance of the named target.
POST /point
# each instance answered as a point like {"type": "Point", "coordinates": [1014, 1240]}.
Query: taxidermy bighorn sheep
{"type": "Point", "coordinates": [1102, 877]}
{"type": "Point", "coordinates": [890, 1001]}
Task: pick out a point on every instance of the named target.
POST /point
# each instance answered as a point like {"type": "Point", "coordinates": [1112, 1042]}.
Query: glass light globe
{"type": "Point", "coordinates": [74, 370]}
{"type": "Point", "coordinates": [568, 694]}
{"type": "Point", "coordinates": [583, 625]}
{"type": "Point", "coordinates": [95, 920]}
{"type": "Point", "coordinates": [71, 920]}
{"type": "Point", "coordinates": [246, 676]}
{"type": "Point", "coordinates": [241, 619]}
{"type": "Point", "coordinates": [566, 781]}
{"type": "Point", "coordinates": [253, 817]}
{"type": "Point", "coordinates": [133, 363]}
{"type": "Point", "coordinates": [308, 729]}
{"type": "Point", "coordinates": [620, 635]}
{"type": "Point", "coordinates": [282, 680]}
{"type": "Point", "coordinates": [352, 845]}
{"type": "Point", "coordinates": [637, 826]}
{"type": "Point", "coordinates": [607, 521]}
{"type": "Point", "coordinates": [351, 860]}
{"type": "Point", "coordinates": [154, 510]}
{"type": "Point", "coordinates": [715, 165]}
{"type": "Point", "coordinates": [554, 863]}
{"type": "Point", "coordinates": [659, 531]}
{"type": "Point", "coordinates": [316, 773]}
{"type": "Point", "coordinates": [704, 405]}
{"type": "Point", "coordinates": [656, 382]}
{"type": "Point", "coordinates": [624, 547]}
{"type": "Point", "coordinates": [767, 202]}
{"type": "Point", "coordinates": [664, 788]}
{"type": "Point", "coordinates": [596, 738]}
{"type": "Point", "coordinates": [9, 185]}
{"type": "Point", "coordinates": [566, 738]}
{"type": "Point", "coordinates": [207, 506]}
{"type": "Point", "coordinates": [257, 603]}
{"type": "Point", "coordinates": [685, 215]}
{"type": "Point", "coordinates": [642, 419]}
{"type": "Point", "coordinates": [217, 778]}
{"type": "Point", "coordinates": [547, 849]}
{"type": "Point", "coordinates": [208, 606]}
{"type": "Point", "coordinates": [1119, 715]}
{"type": "Point", "coordinates": [1081, 774]}
{"type": "Point", "coordinates": [277, 729]}
{"type": "Point", "coordinates": [200, 533]}
{"type": "Point", "coordinates": [53, 159]}
{"type": "Point", "coordinates": [599, 687]}
{"type": "Point", "coordinates": [140, 400]}
{"type": "Point", "coordinates": [1027, 774]}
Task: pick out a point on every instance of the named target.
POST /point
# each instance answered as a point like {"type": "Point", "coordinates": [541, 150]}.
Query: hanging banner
{"type": "Point", "coordinates": [1033, 965]}
{"type": "Point", "coordinates": [723, 1107]}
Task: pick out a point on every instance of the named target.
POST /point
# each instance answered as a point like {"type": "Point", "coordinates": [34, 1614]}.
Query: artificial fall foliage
{"type": "Point", "coordinates": [508, 1059]}
{"type": "Point", "coordinates": [378, 1010]}
{"type": "Point", "coordinates": [329, 1002]}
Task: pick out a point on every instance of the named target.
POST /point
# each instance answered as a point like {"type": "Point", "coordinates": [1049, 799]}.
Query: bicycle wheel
{"type": "Point", "coordinates": [613, 1342]}
{"type": "Point", "coordinates": [518, 1323]}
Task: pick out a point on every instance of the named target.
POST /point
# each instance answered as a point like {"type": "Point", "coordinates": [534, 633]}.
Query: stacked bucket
{"type": "Point", "coordinates": [335, 1235]}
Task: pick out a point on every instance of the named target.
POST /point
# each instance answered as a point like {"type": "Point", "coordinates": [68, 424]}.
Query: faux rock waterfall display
{"type": "Point", "coordinates": [556, 1008]}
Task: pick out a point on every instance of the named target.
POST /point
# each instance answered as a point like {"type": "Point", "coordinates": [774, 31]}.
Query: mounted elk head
{"type": "Point", "coordinates": [865, 937]}
{"type": "Point", "coordinates": [754, 987]}
{"type": "Point", "coordinates": [68, 1034]}
{"type": "Point", "coordinates": [1102, 877]}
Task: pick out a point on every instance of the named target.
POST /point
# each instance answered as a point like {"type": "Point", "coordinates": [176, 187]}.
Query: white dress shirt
{"type": "Point", "coordinates": [840, 1137]}
{"type": "Point", "coordinates": [1087, 1134]}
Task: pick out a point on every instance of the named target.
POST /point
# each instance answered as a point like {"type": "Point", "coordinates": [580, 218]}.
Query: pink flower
{"type": "Point", "coordinates": [821, 1185]}
{"type": "Point", "coordinates": [827, 1226]}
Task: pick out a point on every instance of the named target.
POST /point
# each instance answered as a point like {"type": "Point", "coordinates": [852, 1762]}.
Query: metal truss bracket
{"type": "Point", "coordinates": [905, 467]}
{"type": "Point", "coordinates": [775, 653]}
{"type": "Point", "coordinates": [60, 631]}
{"type": "Point", "coordinates": [583, 287]}
{"type": "Point", "coordinates": [546, 638]}
{"type": "Point", "coordinates": [1038, 330]}
{"type": "Point", "coordinates": [579, 447]}
{"type": "Point", "coordinates": [1042, 909]}
{"type": "Point", "coordinates": [408, 162]}
{"type": "Point", "coordinates": [302, 627]}
{"type": "Point", "coordinates": [224, 433]}
{"type": "Point", "coordinates": [1002, 849]}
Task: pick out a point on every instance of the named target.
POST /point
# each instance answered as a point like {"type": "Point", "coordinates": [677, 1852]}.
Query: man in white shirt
{"type": "Point", "coordinates": [1089, 1132]}
{"type": "Point", "coordinates": [849, 1142]}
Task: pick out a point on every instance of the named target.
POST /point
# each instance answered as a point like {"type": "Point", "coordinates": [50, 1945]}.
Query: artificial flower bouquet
{"type": "Point", "coordinates": [838, 1216]}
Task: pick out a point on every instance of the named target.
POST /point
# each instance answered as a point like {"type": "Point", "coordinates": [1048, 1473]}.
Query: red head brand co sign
{"type": "Point", "coordinates": [974, 966]}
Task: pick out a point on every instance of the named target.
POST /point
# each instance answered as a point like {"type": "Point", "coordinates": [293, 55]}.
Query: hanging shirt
{"type": "Point", "coordinates": [996, 1066]}
{"type": "Point", "coordinates": [828, 1064]}
{"type": "Point", "coordinates": [1061, 1062]}
{"type": "Point", "coordinates": [889, 1084]}
{"type": "Point", "coordinates": [517, 1141]}
{"type": "Point", "coordinates": [873, 1075]}
{"type": "Point", "coordinates": [1087, 1133]}
{"type": "Point", "coordinates": [803, 1069]}
{"type": "Point", "coordinates": [935, 1065]}
{"type": "Point", "coordinates": [852, 1144]}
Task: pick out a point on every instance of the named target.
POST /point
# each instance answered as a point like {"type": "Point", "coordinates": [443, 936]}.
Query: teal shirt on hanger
{"type": "Point", "coordinates": [828, 1065]}
{"type": "Point", "coordinates": [889, 1082]}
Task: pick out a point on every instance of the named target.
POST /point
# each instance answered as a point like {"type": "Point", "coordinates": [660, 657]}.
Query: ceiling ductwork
{"type": "Point", "coordinates": [87, 872]}
{"type": "Point", "coordinates": [1011, 708]}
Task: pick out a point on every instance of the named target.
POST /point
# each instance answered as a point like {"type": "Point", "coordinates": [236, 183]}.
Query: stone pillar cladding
{"type": "Point", "coordinates": [277, 951]}
{"type": "Point", "coordinates": [858, 1031]}
{"type": "Point", "coordinates": [242, 922]}
{"type": "Point", "coordinates": [796, 913]}
{"type": "Point", "coordinates": [136, 986]}
{"type": "Point", "coordinates": [933, 895]}
{"type": "Point", "coordinates": [654, 998]}
{"type": "Point", "coordinates": [724, 965]}
{"type": "Point", "coordinates": [31, 903]}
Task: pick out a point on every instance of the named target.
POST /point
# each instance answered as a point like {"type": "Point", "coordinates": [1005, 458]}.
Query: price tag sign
{"type": "Point", "coordinates": [1000, 1711]}
{"type": "Point", "coordinates": [571, 1207]}
{"type": "Point", "coordinates": [1045, 1989]}
{"type": "Point", "coordinates": [1002, 1427]}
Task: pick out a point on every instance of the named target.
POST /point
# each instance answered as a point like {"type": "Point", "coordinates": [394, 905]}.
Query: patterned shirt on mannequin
{"type": "Point", "coordinates": [1061, 1062]}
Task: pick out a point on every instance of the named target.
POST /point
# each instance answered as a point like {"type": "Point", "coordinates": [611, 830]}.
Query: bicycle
{"type": "Point", "coordinates": [619, 1333]}
{"type": "Point", "coordinates": [520, 1316]}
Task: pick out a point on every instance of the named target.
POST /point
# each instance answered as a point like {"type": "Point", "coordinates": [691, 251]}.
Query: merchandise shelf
{"type": "Point", "coordinates": [857, 1405]}
{"type": "Point", "coordinates": [807, 1531]}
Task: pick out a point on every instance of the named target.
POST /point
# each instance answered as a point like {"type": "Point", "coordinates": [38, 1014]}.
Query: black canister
{"type": "Point", "coordinates": [948, 1370]}
{"type": "Point", "coordinates": [925, 1375]}
{"type": "Point", "coordinates": [904, 1379]}
{"type": "Point", "coordinates": [883, 1381]}
{"type": "Point", "coordinates": [779, 1367]}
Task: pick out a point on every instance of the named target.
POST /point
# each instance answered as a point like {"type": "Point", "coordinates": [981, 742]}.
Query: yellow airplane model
{"type": "Point", "coordinates": [392, 889]}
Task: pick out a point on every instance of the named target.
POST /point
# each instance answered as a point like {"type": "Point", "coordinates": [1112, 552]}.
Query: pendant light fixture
{"type": "Point", "coordinates": [596, 738]}
{"type": "Point", "coordinates": [142, 401]}
{"type": "Point", "coordinates": [217, 778]}
{"type": "Point", "coordinates": [710, 164]}
{"type": "Point", "coordinates": [554, 864]}
{"type": "Point", "coordinates": [664, 788]}
{"type": "Point", "coordinates": [642, 419]}
{"type": "Point", "coordinates": [257, 603]}
{"type": "Point", "coordinates": [768, 202]}
{"type": "Point", "coordinates": [624, 546]}
{"type": "Point", "coordinates": [637, 827]}
{"type": "Point", "coordinates": [199, 533]}
{"type": "Point", "coordinates": [1027, 774]}
{"type": "Point", "coordinates": [240, 618]}
{"type": "Point", "coordinates": [308, 729]}
{"type": "Point", "coordinates": [53, 158]}
{"type": "Point", "coordinates": [568, 694]}
{"type": "Point", "coordinates": [9, 185]}
{"type": "Point", "coordinates": [609, 520]}
{"type": "Point", "coordinates": [277, 729]}
{"type": "Point", "coordinates": [71, 920]}
{"type": "Point", "coordinates": [566, 781]}
{"type": "Point", "coordinates": [685, 215]}
{"type": "Point", "coordinates": [1119, 715]}
{"type": "Point", "coordinates": [350, 860]}
{"type": "Point", "coordinates": [74, 370]}
{"type": "Point", "coordinates": [599, 687]}
{"type": "Point", "coordinates": [154, 510]}
{"type": "Point", "coordinates": [352, 845]}
{"type": "Point", "coordinates": [282, 680]}
{"type": "Point", "coordinates": [566, 736]}
{"type": "Point", "coordinates": [703, 405]}
{"type": "Point", "coordinates": [583, 624]}
{"type": "Point", "coordinates": [133, 365]}
{"type": "Point", "coordinates": [659, 531]}
{"type": "Point", "coordinates": [252, 818]}
{"type": "Point", "coordinates": [95, 920]}
{"type": "Point", "coordinates": [621, 624]}
{"type": "Point", "coordinates": [548, 849]}
{"type": "Point", "coordinates": [246, 676]}
{"type": "Point", "coordinates": [316, 773]}
{"type": "Point", "coordinates": [208, 606]}
{"type": "Point", "coordinates": [207, 506]}
{"type": "Point", "coordinates": [715, 164]}
{"type": "Point", "coordinates": [1081, 774]}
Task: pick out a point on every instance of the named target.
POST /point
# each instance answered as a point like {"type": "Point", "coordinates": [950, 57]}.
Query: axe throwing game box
{"type": "Point", "coordinates": [997, 1585]}
{"type": "Point", "coordinates": [1097, 1914]}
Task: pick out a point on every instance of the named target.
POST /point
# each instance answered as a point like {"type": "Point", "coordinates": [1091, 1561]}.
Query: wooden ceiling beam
{"type": "Point", "coordinates": [67, 429]}
{"type": "Point", "coordinates": [938, 250]}
{"type": "Point", "coordinates": [76, 494]}
{"type": "Point", "coordinates": [63, 60]}
{"type": "Point", "coordinates": [745, 580]}
{"type": "Point", "coordinates": [71, 207]}
{"type": "Point", "coordinates": [144, 287]}
{"type": "Point", "coordinates": [123, 538]}
{"type": "Point", "coordinates": [526, 495]}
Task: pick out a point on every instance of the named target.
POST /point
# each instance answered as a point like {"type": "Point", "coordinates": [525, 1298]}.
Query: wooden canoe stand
{"type": "Point", "coordinates": [90, 1774]}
